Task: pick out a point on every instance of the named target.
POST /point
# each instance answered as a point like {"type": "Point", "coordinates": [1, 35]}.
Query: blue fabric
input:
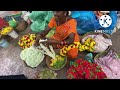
{"type": "Point", "coordinates": [87, 21]}
{"type": "Point", "coordinates": [89, 57]}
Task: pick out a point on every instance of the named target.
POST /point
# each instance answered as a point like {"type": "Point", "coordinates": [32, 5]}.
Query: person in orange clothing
{"type": "Point", "coordinates": [65, 34]}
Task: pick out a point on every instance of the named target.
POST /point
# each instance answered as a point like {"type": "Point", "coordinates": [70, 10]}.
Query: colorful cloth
{"type": "Point", "coordinates": [110, 64]}
{"type": "Point", "coordinates": [64, 30]}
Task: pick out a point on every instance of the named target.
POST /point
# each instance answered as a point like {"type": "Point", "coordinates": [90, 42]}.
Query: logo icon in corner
{"type": "Point", "coordinates": [105, 21]}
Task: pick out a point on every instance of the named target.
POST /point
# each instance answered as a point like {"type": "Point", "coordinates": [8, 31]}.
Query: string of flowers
{"type": "Point", "coordinates": [88, 45]}
{"type": "Point", "coordinates": [27, 40]}
{"type": "Point", "coordinates": [6, 30]}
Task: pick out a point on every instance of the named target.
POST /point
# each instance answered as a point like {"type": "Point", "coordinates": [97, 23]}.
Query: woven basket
{"type": "Point", "coordinates": [96, 33]}
{"type": "Point", "coordinates": [21, 26]}
{"type": "Point", "coordinates": [107, 36]}
{"type": "Point", "coordinates": [2, 37]}
{"type": "Point", "coordinates": [48, 63]}
{"type": "Point", "coordinates": [48, 60]}
{"type": "Point", "coordinates": [103, 53]}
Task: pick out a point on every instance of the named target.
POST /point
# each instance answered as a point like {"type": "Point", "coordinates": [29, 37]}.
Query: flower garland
{"type": "Point", "coordinates": [88, 45]}
{"type": "Point", "coordinates": [6, 30]}
{"type": "Point", "coordinates": [82, 69]}
{"type": "Point", "coordinates": [27, 40]}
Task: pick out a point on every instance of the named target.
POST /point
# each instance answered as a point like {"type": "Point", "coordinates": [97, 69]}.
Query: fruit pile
{"type": "Point", "coordinates": [6, 30]}
{"type": "Point", "coordinates": [58, 62]}
{"type": "Point", "coordinates": [27, 40]}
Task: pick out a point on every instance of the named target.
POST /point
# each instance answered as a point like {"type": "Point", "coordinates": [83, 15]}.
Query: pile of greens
{"type": "Point", "coordinates": [47, 74]}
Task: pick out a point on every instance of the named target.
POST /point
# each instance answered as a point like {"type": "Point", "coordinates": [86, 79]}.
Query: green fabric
{"type": "Point", "coordinates": [40, 20]}
{"type": "Point", "coordinates": [51, 33]}
{"type": "Point", "coordinates": [16, 15]}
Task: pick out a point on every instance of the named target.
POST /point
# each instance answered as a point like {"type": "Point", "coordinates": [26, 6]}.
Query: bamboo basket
{"type": "Point", "coordinates": [107, 36]}
{"type": "Point", "coordinates": [21, 26]}
{"type": "Point", "coordinates": [48, 63]}
{"type": "Point", "coordinates": [48, 60]}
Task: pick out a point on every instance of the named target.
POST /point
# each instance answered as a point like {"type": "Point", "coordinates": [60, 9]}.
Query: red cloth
{"type": "Point", "coordinates": [3, 23]}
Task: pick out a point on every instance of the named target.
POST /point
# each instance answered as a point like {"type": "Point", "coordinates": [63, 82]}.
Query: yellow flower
{"type": "Point", "coordinates": [21, 44]}
{"type": "Point", "coordinates": [6, 30]}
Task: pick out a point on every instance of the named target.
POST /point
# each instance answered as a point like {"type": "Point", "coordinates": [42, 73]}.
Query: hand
{"type": "Point", "coordinates": [38, 37]}
{"type": "Point", "coordinates": [37, 40]}
{"type": "Point", "coordinates": [51, 41]}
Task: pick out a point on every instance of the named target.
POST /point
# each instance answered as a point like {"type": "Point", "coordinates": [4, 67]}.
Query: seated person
{"type": "Point", "coordinates": [65, 33]}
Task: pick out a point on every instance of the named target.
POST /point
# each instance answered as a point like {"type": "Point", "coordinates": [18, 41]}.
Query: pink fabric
{"type": "Point", "coordinates": [110, 65]}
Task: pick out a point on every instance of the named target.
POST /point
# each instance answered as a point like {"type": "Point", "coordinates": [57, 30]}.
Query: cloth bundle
{"type": "Point", "coordinates": [110, 64]}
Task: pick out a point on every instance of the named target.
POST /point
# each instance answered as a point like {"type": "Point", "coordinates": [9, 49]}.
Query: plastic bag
{"type": "Point", "coordinates": [87, 21]}
{"type": "Point", "coordinates": [40, 20]}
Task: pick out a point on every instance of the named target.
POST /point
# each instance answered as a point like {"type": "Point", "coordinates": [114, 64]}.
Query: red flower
{"type": "Point", "coordinates": [87, 74]}
{"type": "Point", "coordinates": [83, 69]}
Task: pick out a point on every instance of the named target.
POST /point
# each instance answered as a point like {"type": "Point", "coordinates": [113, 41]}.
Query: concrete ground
{"type": "Point", "coordinates": [11, 63]}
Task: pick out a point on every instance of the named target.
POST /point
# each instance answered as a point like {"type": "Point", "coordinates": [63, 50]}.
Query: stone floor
{"type": "Point", "coordinates": [11, 63]}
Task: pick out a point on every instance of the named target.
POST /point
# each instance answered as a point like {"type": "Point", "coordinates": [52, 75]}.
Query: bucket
{"type": "Point", "coordinates": [13, 34]}
{"type": "Point", "coordinates": [4, 43]}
